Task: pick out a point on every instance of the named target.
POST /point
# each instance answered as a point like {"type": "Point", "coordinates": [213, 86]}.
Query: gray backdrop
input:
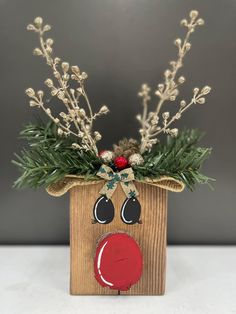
{"type": "Point", "coordinates": [121, 44]}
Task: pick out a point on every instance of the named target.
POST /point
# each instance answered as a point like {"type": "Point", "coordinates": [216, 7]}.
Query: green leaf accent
{"type": "Point", "coordinates": [124, 176]}
{"type": "Point", "coordinates": [110, 185]}
{"type": "Point", "coordinates": [102, 170]}
{"type": "Point", "coordinates": [132, 194]}
{"type": "Point", "coordinates": [110, 174]}
{"type": "Point", "coordinates": [116, 177]}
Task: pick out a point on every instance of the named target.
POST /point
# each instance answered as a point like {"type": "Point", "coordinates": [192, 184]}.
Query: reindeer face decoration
{"type": "Point", "coordinates": [122, 256]}
{"type": "Point", "coordinates": [118, 197]}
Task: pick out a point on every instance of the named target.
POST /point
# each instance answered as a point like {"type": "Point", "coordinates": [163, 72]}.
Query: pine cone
{"type": "Point", "coordinates": [126, 147]}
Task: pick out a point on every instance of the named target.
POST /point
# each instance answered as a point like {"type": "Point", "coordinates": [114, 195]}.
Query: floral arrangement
{"type": "Point", "coordinates": [67, 144]}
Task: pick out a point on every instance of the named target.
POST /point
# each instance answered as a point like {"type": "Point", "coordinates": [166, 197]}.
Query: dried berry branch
{"type": "Point", "coordinates": [168, 91]}
{"type": "Point", "coordinates": [75, 120]}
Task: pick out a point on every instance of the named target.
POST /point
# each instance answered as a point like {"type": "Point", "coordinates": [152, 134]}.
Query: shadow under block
{"type": "Point", "coordinates": [150, 235]}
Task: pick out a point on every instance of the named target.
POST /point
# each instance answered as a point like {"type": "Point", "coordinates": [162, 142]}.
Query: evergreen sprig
{"type": "Point", "coordinates": [179, 158]}
{"type": "Point", "coordinates": [50, 157]}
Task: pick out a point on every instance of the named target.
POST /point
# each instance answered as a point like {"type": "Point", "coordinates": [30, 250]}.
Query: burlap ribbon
{"type": "Point", "coordinates": [124, 177]}
{"type": "Point", "coordinates": [63, 186]}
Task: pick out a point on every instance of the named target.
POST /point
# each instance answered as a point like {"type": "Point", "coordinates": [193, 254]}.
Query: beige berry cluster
{"type": "Point", "coordinates": [155, 122]}
{"type": "Point", "coordinates": [74, 119]}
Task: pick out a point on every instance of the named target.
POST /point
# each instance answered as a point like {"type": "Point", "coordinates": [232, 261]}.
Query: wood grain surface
{"type": "Point", "coordinates": [150, 235]}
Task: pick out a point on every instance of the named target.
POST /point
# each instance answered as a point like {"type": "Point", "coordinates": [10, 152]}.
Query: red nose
{"type": "Point", "coordinates": [118, 262]}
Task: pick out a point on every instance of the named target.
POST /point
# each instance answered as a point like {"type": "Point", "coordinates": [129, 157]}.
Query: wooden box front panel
{"type": "Point", "coordinates": [150, 235]}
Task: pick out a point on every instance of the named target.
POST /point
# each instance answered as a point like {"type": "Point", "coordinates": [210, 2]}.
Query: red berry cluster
{"type": "Point", "coordinates": [121, 162]}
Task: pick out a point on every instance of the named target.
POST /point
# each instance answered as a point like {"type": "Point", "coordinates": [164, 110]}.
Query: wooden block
{"type": "Point", "coordinates": [150, 235]}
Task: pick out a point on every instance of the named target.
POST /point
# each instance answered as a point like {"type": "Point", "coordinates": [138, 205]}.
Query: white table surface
{"type": "Point", "coordinates": [35, 280]}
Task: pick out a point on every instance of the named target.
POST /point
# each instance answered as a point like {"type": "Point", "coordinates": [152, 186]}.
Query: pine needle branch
{"type": "Point", "coordinates": [50, 157]}
{"type": "Point", "coordinates": [179, 158]}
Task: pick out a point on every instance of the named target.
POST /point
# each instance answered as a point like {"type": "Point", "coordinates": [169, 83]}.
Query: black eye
{"type": "Point", "coordinates": [130, 211]}
{"type": "Point", "coordinates": [103, 210]}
